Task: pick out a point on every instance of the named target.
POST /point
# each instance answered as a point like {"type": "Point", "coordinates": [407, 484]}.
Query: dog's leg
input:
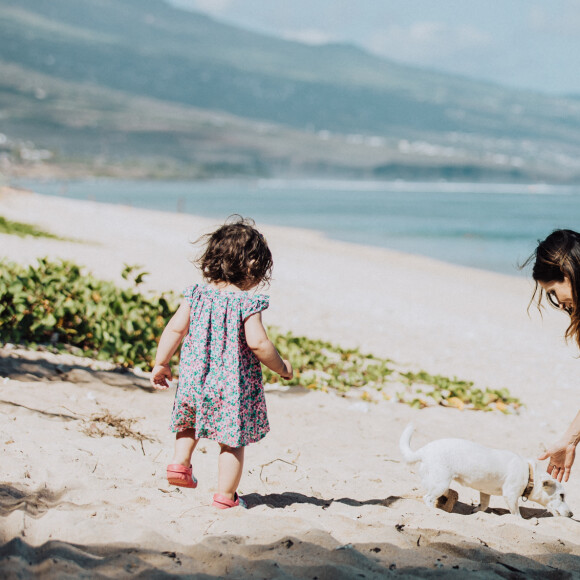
{"type": "Point", "coordinates": [512, 503]}
{"type": "Point", "coordinates": [431, 499]}
{"type": "Point", "coordinates": [483, 502]}
{"type": "Point", "coordinates": [435, 491]}
{"type": "Point", "coordinates": [436, 481]}
{"type": "Point", "coordinates": [447, 501]}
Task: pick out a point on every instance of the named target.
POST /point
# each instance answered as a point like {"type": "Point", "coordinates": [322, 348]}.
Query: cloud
{"type": "Point", "coordinates": [565, 20]}
{"type": "Point", "coordinates": [313, 36]}
{"type": "Point", "coordinates": [427, 43]}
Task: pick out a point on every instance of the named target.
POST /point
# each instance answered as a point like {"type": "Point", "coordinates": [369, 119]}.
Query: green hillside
{"type": "Point", "coordinates": [118, 133]}
{"type": "Point", "coordinates": [85, 128]}
{"type": "Point", "coordinates": [103, 54]}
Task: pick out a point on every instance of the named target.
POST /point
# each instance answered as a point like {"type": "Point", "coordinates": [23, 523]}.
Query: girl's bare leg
{"type": "Point", "coordinates": [230, 466]}
{"type": "Point", "coordinates": [185, 443]}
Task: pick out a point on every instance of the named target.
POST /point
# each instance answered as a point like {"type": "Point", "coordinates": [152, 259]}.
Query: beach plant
{"type": "Point", "coordinates": [23, 230]}
{"type": "Point", "coordinates": [323, 366]}
{"type": "Point", "coordinates": [320, 365]}
{"type": "Point", "coordinates": [56, 303]}
{"type": "Point", "coordinates": [425, 390]}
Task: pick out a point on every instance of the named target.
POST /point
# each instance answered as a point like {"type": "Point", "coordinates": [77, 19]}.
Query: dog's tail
{"type": "Point", "coordinates": [408, 454]}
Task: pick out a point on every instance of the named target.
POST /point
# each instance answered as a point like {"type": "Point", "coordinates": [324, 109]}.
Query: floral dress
{"type": "Point", "coordinates": [220, 392]}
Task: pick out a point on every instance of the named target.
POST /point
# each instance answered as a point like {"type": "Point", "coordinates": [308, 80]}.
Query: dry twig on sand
{"type": "Point", "coordinates": [274, 461]}
{"type": "Point", "coordinates": [105, 423]}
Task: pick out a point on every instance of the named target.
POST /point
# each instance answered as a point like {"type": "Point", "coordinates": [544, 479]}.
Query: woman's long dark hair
{"type": "Point", "coordinates": [557, 258]}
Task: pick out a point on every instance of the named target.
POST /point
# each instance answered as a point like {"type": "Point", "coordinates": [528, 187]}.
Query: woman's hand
{"type": "Point", "coordinates": [561, 456]}
{"type": "Point", "coordinates": [159, 377]}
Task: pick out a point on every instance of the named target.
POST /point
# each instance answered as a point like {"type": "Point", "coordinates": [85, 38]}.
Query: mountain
{"type": "Point", "coordinates": [335, 96]}
{"type": "Point", "coordinates": [83, 127]}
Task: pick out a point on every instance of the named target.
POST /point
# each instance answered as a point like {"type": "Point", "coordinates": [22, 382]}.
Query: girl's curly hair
{"type": "Point", "coordinates": [236, 253]}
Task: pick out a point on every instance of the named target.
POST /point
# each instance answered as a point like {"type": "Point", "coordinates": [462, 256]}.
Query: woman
{"type": "Point", "coordinates": [557, 275]}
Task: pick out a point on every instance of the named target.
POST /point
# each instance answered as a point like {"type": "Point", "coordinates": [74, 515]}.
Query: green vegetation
{"type": "Point", "coordinates": [23, 230]}
{"type": "Point", "coordinates": [55, 303]}
{"type": "Point", "coordinates": [321, 365]}
{"type": "Point", "coordinates": [424, 390]}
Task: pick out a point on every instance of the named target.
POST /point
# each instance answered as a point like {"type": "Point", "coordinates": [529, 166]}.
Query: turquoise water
{"type": "Point", "coordinates": [486, 226]}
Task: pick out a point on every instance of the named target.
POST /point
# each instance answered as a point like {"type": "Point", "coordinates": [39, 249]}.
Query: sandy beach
{"type": "Point", "coordinates": [328, 494]}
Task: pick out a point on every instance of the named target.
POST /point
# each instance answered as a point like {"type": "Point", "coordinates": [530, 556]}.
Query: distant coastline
{"type": "Point", "coordinates": [150, 170]}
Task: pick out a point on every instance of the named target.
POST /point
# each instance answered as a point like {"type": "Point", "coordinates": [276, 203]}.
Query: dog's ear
{"type": "Point", "coordinates": [549, 485]}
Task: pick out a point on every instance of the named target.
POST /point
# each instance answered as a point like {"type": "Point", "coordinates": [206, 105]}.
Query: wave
{"type": "Point", "coordinates": [333, 185]}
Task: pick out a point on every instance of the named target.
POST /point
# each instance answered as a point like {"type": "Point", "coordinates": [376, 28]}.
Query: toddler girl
{"type": "Point", "coordinates": [220, 395]}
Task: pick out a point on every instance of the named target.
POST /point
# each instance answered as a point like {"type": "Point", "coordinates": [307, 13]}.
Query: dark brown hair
{"type": "Point", "coordinates": [557, 258]}
{"type": "Point", "coordinates": [236, 253]}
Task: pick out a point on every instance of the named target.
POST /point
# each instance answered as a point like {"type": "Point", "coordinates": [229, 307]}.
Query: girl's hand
{"type": "Point", "coordinates": [288, 372]}
{"type": "Point", "coordinates": [159, 377]}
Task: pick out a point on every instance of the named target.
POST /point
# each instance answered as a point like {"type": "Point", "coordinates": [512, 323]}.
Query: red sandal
{"type": "Point", "coordinates": [222, 502]}
{"type": "Point", "coordinates": [180, 475]}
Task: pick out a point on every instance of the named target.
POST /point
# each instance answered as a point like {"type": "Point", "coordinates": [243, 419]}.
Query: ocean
{"type": "Point", "coordinates": [488, 226]}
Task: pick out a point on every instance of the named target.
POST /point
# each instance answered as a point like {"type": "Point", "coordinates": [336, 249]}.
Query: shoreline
{"type": "Point", "coordinates": [317, 233]}
{"type": "Point", "coordinates": [444, 246]}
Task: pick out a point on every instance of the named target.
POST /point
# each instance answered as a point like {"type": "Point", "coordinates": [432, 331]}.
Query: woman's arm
{"type": "Point", "coordinates": [563, 452]}
{"type": "Point", "coordinates": [263, 348]}
{"type": "Point", "coordinates": [170, 340]}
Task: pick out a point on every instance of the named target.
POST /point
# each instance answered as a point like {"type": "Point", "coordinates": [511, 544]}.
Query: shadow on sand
{"type": "Point", "coordinates": [23, 369]}
{"type": "Point", "coordinates": [288, 498]}
{"type": "Point", "coordinates": [316, 556]}
{"type": "Point", "coordinates": [34, 503]}
{"type": "Point", "coordinates": [527, 512]}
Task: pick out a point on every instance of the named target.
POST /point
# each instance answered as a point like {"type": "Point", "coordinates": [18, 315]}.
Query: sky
{"type": "Point", "coordinates": [529, 44]}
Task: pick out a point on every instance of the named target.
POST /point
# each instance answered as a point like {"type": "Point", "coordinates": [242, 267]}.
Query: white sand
{"type": "Point", "coordinates": [329, 473]}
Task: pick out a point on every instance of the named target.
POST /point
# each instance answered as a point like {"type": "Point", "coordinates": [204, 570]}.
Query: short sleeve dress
{"type": "Point", "coordinates": [220, 392]}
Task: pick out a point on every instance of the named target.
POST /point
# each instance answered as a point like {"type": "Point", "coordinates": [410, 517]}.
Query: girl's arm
{"type": "Point", "coordinates": [263, 348]}
{"type": "Point", "coordinates": [563, 452]}
{"type": "Point", "coordinates": [170, 340]}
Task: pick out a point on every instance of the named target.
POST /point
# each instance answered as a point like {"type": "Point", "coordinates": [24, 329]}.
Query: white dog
{"type": "Point", "coordinates": [489, 471]}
